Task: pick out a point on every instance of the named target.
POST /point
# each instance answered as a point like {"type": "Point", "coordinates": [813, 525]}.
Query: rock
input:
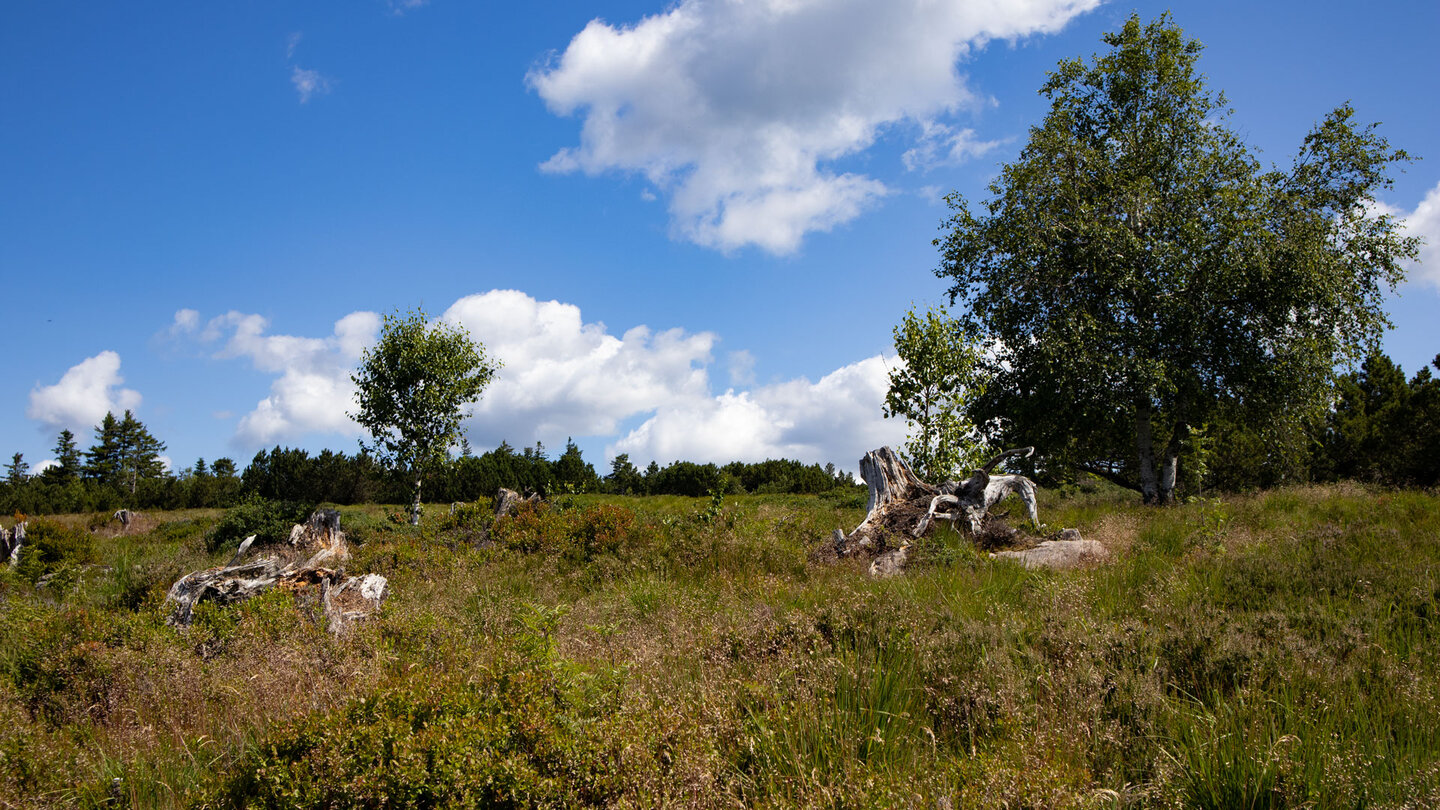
{"type": "Point", "coordinates": [1067, 550]}
{"type": "Point", "coordinates": [890, 564]}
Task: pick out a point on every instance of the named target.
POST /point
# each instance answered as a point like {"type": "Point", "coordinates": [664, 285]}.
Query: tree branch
{"type": "Point", "coordinates": [1113, 478]}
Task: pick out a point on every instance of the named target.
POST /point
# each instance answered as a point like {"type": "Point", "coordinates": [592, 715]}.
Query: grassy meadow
{"type": "Point", "coordinates": [1274, 650]}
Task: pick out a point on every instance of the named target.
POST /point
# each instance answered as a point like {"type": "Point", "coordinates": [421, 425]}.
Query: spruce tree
{"type": "Point", "coordinates": [67, 465]}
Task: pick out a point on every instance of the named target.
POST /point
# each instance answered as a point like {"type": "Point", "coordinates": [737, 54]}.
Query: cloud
{"type": "Point", "coordinates": [1424, 222]}
{"type": "Point", "coordinates": [738, 110]}
{"type": "Point", "coordinates": [399, 7]}
{"type": "Point", "coordinates": [185, 323]}
{"type": "Point", "coordinates": [291, 43]}
{"type": "Point", "coordinates": [742, 368]}
{"type": "Point", "coordinates": [836, 419]}
{"type": "Point", "coordinates": [313, 391]}
{"type": "Point", "coordinates": [83, 396]}
{"type": "Point", "coordinates": [942, 145]}
{"type": "Point", "coordinates": [308, 83]}
{"type": "Point", "coordinates": [566, 377]}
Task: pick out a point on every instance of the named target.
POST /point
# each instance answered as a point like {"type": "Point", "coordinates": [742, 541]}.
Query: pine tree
{"type": "Point", "coordinates": [67, 465]}
{"type": "Point", "coordinates": [102, 460]}
{"type": "Point", "coordinates": [125, 453]}
{"type": "Point", "coordinates": [140, 453]}
{"type": "Point", "coordinates": [17, 469]}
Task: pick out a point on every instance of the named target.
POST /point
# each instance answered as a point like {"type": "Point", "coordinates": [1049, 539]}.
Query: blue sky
{"type": "Point", "coordinates": [687, 230]}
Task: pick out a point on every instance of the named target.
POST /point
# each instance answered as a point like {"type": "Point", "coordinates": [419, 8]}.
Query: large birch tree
{"type": "Point", "coordinates": [1137, 269]}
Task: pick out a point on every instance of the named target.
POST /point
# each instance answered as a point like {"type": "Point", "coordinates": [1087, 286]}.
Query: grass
{"type": "Point", "coordinates": [1268, 650]}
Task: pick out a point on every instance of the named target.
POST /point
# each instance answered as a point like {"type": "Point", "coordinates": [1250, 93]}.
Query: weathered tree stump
{"type": "Point", "coordinates": [11, 541]}
{"type": "Point", "coordinates": [901, 507]}
{"type": "Point", "coordinates": [311, 559]}
{"type": "Point", "coordinates": [352, 601]}
{"type": "Point", "coordinates": [321, 531]}
{"type": "Point", "coordinates": [508, 500]}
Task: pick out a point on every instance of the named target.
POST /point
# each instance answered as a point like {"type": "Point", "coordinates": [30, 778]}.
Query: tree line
{"type": "Point", "coordinates": [123, 469]}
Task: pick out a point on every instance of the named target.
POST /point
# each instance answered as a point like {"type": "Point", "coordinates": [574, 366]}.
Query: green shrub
{"type": "Point", "coordinates": [181, 531]}
{"type": "Point", "coordinates": [270, 522]}
{"type": "Point", "coordinates": [579, 534]}
{"type": "Point", "coordinates": [50, 547]}
{"type": "Point", "coordinates": [519, 734]}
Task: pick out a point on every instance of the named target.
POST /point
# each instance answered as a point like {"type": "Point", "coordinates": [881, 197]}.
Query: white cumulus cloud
{"type": "Point", "coordinates": [313, 391]}
{"type": "Point", "coordinates": [1424, 222]}
{"type": "Point", "coordinates": [836, 419]}
{"type": "Point", "coordinates": [562, 376]}
{"type": "Point", "coordinates": [565, 377]}
{"type": "Point", "coordinates": [737, 110]}
{"type": "Point", "coordinates": [82, 397]}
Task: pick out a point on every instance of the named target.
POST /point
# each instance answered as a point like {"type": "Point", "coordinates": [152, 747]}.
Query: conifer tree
{"type": "Point", "coordinates": [17, 469]}
{"type": "Point", "coordinates": [67, 460]}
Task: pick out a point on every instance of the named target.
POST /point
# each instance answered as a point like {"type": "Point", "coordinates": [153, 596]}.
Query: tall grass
{"type": "Point", "coordinates": [1271, 650]}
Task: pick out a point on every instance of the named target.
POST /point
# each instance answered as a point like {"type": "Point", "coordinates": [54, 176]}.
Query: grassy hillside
{"type": "Point", "coordinates": [1279, 650]}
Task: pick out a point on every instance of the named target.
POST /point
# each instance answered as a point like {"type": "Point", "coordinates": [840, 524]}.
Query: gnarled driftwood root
{"type": "Point", "coordinates": [901, 507]}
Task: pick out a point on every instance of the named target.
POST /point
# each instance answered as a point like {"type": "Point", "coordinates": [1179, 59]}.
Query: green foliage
{"type": "Point", "coordinates": [624, 478]}
{"type": "Point", "coordinates": [125, 454]}
{"type": "Point", "coordinates": [17, 470]}
{"type": "Point", "coordinates": [870, 717]}
{"type": "Point", "coordinates": [1381, 428]}
{"type": "Point", "coordinates": [1280, 649]}
{"type": "Point", "coordinates": [328, 477]}
{"type": "Point", "coordinates": [785, 476]}
{"type": "Point", "coordinates": [1139, 274]}
{"type": "Point", "coordinates": [688, 478]}
{"type": "Point", "coordinates": [51, 547]}
{"type": "Point", "coordinates": [474, 477]}
{"type": "Point", "coordinates": [579, 534]}
{"type": "Point", "coordinates": [413, 387]}
{"type": "Point", "coordinates": [524, 734]}
{"type": "Point", "coordinates": [932, 390]}
{"type": "Point", "coordinates": [67, 459]}
{"type": "Point", "coordinates": [270, 522]}
{"type": "Point", "coordinates": [573, 473]}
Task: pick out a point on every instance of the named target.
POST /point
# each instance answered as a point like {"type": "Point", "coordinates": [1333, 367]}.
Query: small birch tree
{"type": "Point", "coordinates": [931, 390]}
{"type": "Point", "coordinates": [413, 387]}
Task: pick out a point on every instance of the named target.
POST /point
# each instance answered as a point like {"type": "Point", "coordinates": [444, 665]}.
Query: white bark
{"type": "Point", "coordinates": [301, 563]}
{"type": "Point", "coordinates": [902, 507]}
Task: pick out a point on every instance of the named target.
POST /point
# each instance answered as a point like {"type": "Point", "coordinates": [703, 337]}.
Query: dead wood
{"type": "Point", "coordinates": [11, 540]}
{"type": "Point", "coordinates": [901, 508]}
{"type": "Point", "coordinates": [310, 563]}
{"type": "Point", "coordinates": [508, 500]}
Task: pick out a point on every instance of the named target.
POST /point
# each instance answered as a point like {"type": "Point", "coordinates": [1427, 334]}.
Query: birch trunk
{"type": "Point", "coordinates": [1170, 463]}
